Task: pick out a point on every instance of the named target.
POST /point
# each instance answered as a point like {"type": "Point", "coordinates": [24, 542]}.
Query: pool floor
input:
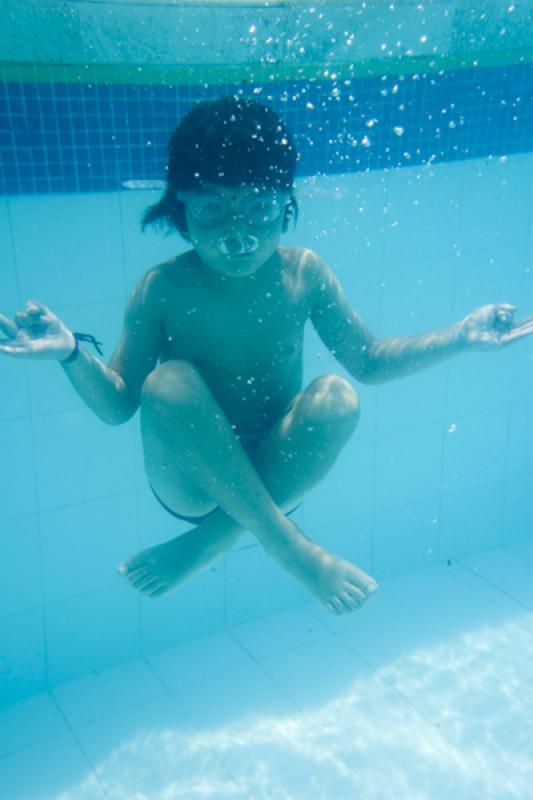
{"type": "Point", "coordinates": [427, 692]}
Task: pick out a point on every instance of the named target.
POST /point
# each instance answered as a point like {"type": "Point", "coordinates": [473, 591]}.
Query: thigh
{"type": "Point", "coordinates": [172, 486]}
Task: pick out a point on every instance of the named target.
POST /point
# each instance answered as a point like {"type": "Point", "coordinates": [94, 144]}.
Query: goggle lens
{"type": "Point", "coordinates": [209, 208]}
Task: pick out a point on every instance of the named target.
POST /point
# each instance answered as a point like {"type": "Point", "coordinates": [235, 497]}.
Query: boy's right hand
{"type": "Point", "coordinates": [36, 333]}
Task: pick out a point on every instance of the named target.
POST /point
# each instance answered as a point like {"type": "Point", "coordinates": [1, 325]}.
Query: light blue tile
{"type": "Point", "coordinates": [156, 525]}
{"type": "Point", "coordinates": [48, 770]}
{"type": "Point", "coordinates": [408, 465]}
{"type": "Point", "coordinates": [423, 211]}
{"type": "Point", "coordinates": [29, 722]}
{"type": "Point", "coordinates": [143, 250]}
{"type": "Point", "coordinates": [341, 219]}
{"type": "Point", "coordinates": [506, 571]}
{"type": "Point", "coordinates": [347, 490]}
{"type": "Point", "coordinates": [361, 203]}
{"type": "Point", "coordinates": [13, 382]}
{"type": "Point", "coordinates": [520, 444]}
{"type": "Point", "coordinates": [406, 538]}
{"type": "Point", "coordinates": [435, 584]}
{"type": "Point", "coordinates": [316, 673]}
{"type": "Point", "coordinates": [10, 293]}
{"type": "Point", "coordinates": [67, 234]}
{"type": "Point", "coordinates": [502, 271]}
{"type": "Point", "coordinates": [497, 203]}
{"type": "Point", "coordinates": [256, 585]}
{"type": "Point", "coordinates": [464, 613]}
{"type": "Point", "coordinates": [21, 587]}
{"type": "Point", "coordinates": [523, 550]}
{"type": "Point", "coordinates": [474, 450]}
{"type": "Point", "coordinates": [199, 661]}
{"type": "Point", "coordinates": [132, 727]}
{"type": "Point", "coordinates": [193, 609]}
{"type": "Point", "coordinates": [479, 382]}
{"type": "Point", "coordinates": [84, 543]}
{"type": "Point", "coordinates": [78, 458]}
{"type": "Point", "coordinates": [394, 635]}
{"type": "Point", "coordinates": [471, 519]}
{"type": "Point", "coordinates": [352, 539]}
{"type": "Point", "coordinates": [109, 690]}
{"type": "Point", "coordinates": [234, 697]}
{"type": "Point", "coordinates": [412, 402]}
{"type": "Point", "coordinates": [516, 364]}
{"type": "Point", "coordinates": [49, 388]}
{"type": "Point", "coordinates": [363, 287]}
{"type": "Point", "coordinates": [280, 632]}
{"type": "Point", "coordinates": [22, 662]}
{"type": "Point", "coordinates": [17, 474]}
{"type": "Point", "coordinates": [425, 285]}
{"type": "Point", "coordinates": [91, 632]}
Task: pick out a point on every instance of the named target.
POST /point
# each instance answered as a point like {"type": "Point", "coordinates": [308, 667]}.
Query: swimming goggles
{"type": "Point", "coordinates": [258, 209]}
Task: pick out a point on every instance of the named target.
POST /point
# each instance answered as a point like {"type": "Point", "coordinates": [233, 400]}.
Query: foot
{"type": "Point", "coordinates": [340, 586]}
{"type": "Point", "coordinates": [158, 570]}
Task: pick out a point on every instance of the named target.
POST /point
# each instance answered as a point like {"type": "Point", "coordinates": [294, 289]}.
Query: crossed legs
{"type": "Point", "coordinates": [195, 462]}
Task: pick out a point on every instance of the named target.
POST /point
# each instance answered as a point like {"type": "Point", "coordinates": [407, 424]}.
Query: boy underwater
{"type": "Point", "coordinates": [211, 353]}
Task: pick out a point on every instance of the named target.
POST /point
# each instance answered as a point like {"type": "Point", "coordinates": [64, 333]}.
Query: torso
{"type": "Point", "coordinates": [248, 347]}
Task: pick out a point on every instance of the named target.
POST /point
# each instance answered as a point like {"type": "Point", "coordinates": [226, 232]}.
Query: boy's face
{"type": "Point", "coordinates": [235, 230]}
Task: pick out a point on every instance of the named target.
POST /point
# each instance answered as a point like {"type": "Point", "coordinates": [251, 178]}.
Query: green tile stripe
{"type": "Point", "coordinates": [195, 74]}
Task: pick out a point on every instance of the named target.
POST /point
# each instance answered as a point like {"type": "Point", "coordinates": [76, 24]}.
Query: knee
{"type": "Point", "coordinates": [333, 399]}
{"type": "Point", "coordinates": [173, 381]}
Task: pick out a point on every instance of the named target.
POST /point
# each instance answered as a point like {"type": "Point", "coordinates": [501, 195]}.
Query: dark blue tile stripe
{"type": "Point", "coordinates": [79, 138]}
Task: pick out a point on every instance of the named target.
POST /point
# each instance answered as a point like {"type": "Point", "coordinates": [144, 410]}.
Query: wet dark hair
{"type": "Point", "coordinates": [232, 141]}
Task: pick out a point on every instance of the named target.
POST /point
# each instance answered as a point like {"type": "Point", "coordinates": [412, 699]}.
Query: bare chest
{"type": "Point", "coordinates": [253, 335]}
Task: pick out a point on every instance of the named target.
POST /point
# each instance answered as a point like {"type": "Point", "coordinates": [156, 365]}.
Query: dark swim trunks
{"type": "Point", "coordinates": [197, 520]}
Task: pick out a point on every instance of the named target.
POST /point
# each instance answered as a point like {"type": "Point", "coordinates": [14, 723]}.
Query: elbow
{"type": "Point", "coordinates": [120, 419]}
{"type": "Point", "coordinates": [117, 415]}
{"type": "Point", "coordinates": [366, 372]}
{"type": "Point", "coordinates": [114, 421]}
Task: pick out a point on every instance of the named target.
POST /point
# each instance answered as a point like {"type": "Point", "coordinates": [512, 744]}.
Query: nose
{"type": "Point", "coordinates": [236, 245]}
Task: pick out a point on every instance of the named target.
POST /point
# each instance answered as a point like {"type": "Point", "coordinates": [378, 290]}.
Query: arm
{"type": "Point", "coordinates": [373, 360]}
{"type": "Point", "coordinates": [112, 391]}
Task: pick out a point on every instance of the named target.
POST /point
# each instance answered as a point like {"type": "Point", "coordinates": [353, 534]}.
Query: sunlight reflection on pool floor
{"type": "Point", "coordinates": [451, 717]}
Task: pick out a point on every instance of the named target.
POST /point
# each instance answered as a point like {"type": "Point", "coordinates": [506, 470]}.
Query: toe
{"type": "Point", "coordinates": [333, 609]}
{"type": "Point", "coordinates": [356, 593]}
{"type": "Point", "coordinates": [147, 584]}
{"type": "Point", "coordinates": [350, 601]}
{"type": "Point", "coordinates": [130, 571]}
{"type": "Point", "coordinates": [140, 581]}
{"type": "Point", "coordinates": [159, 592]}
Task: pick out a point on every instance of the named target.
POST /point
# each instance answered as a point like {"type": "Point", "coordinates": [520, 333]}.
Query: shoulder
{"type": "Point", "coordinates": [306, 263]}
{"type": "Point", "coordinates": [153, 287]}
{"type": "Point", "coordinates": [311, 273]}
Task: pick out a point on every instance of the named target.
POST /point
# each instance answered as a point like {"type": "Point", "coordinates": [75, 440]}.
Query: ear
{"type": "Point", "coordinates": [287, 216]}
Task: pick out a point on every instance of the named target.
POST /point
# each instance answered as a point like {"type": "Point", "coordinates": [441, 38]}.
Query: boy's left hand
{"type": "Point", "coordinates": [492, 327]}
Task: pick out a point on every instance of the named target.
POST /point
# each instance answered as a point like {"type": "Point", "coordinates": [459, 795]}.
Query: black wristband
{"type": "Point", "coordinates": [81, 337]}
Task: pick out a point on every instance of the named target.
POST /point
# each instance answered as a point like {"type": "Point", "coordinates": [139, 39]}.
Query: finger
{"type": "Point", "coordinates": [518, 332]}
{"type": "Point", "coordinates": [8, 327]}
{"type": "Point", "coordinates": [35, 307]}
{"type": "Point", "coordinates": [14, 348]}
{"type": "Point", "coordinates": [22, 320]}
